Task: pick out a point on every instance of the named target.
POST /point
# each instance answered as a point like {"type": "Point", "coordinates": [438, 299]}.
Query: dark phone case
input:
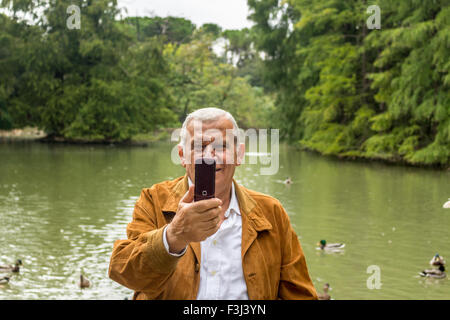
{"type": "Point", "coordinates": [205, 179]}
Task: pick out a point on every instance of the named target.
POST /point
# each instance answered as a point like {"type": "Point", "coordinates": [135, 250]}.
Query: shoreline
{"type": "Point", "coordinates": [389, 161]}
{"type": "Point", "coordinates": [144, 140]}
{"type": "Point", "coordinates": [25, 134]}
{"type": "Point", "coordinates": [36, 135]}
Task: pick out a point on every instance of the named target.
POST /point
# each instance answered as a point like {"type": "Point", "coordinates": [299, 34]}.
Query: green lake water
{"type": "Point", "coordinates": [63, 206]}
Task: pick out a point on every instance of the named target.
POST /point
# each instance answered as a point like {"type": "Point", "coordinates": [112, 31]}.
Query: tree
{"type": "Point", "coordinates": [172, 29]}
{"type": "Point", "coordinates": [345, 90]}
{"type": "Point", "coordinates": [80, 84]}
{"type": "Point", "coordinates": [211, 28]}
{"type": "Point", "coordinates": [198, 79]}
{"type": "Point", "coordinates": [284, 74]}
{"type": "Point", "coordinates": [412, 83]}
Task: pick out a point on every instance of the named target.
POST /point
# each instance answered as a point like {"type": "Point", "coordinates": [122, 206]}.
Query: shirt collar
{"type": "Point", "coordinates": [234, 204]}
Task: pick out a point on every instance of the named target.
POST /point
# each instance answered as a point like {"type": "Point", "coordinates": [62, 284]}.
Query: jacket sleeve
{"type": "Point", "coordinates": [141, 262]}
{"type": "Point", "coordinates": [295, 282]}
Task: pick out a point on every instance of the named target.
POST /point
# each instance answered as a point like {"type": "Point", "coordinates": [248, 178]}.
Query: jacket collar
{"type": "Point", "coordinates": [247, 204]}
{"type": "Point", "coordinates": [253, 220]}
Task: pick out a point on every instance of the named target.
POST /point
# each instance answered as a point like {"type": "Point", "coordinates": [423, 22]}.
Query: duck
{"type": "Point", "coordinates": [288, 180]}
{"type": "Point", "coordinates": [437, 260]}
{"type": "Point", "coordinates": [12, 268]}
{"type": "Point", "coordinates": [325, 295]}
{"type": "Point", "coordinates": [447, 204]}
{"type": "Point", "coordinates": [4, 280]}
{"type": "Point", "coordinates": [84, 282]}
{"type": "Point", "coordinates": [438, 273]}
{"type": "Point", "coordinates": [323, 245]}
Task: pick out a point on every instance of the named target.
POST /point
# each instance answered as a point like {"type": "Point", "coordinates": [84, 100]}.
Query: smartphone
{"type": "Point", "coordinates": [205, 179]}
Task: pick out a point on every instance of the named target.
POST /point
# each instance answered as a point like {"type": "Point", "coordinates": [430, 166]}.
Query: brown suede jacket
{"type": "Point", "coordinates": [273, 262]}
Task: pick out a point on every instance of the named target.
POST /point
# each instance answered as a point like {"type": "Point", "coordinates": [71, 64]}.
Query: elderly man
{"type": "Point", "coordinates": [238, 245]}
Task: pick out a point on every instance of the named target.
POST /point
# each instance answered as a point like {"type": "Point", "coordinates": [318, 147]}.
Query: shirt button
{"type": "Point", "coordinates": [214, 242]}
{"type": "Point", "coordinates": [213, 273]}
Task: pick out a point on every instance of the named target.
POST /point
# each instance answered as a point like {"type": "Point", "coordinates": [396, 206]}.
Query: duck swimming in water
{"type": "Point", "coordinates": [437, 260]}
{"type": "Point", "coordinates": [12, 268]}
{"type": "Point", "coordinates": [438, 273]}
{"type": "Point", "coordinates": [84, 282]}
{"type": "Point", "coordinates": [323, 245]}
{"type": "Point", "coordinates": [447, 204]}
{"type": "Point", "coordinates": [4, 280]}
{"type": "Point", "coordinates": [288, 180]}
{"type": "Point", "coordinates": [325, 295]}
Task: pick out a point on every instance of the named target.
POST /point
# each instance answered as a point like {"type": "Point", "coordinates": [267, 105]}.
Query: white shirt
{"type": "Point", "coordinates": [221, 274]}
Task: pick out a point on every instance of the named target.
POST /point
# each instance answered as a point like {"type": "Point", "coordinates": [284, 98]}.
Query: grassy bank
{"type": "Point", "coordinates": [382, 157]}
{"type": "Point", "coordinates": [27, 133]}
{"type": "Point", "coordinates": [34, 134]}
{"type": "Point", "coordinates": [145, 139]}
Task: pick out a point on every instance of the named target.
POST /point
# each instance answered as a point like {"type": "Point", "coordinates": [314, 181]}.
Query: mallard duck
{"type": "Point", "coordinates": [437, 260]}
{"type": "Point", "coordinates": [447, 204]}
{"type": "Point", "coordinates": [323, 245]}
{"type": "Point", "coordinates": [288, 180]}
{"type": "Point", "coordinates": [12, 268]}
{"type": "Point", "coordinates": [84, 282]}
{"type": "Point", "coordinates": [438, 273]}
{"type": "Point", "coordinates": [325, 295]}
{"type": "Point", "coordinates": [4, 280]}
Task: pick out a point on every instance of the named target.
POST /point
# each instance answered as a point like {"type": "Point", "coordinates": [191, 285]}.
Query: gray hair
{"type": "Point", "coordinates": [207, 114]}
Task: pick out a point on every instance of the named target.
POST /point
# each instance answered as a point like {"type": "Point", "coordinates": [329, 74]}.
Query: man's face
{"type": "Point", "coordinates": [214, 140]}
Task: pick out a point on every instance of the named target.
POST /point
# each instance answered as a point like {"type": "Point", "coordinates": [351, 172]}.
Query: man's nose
{"type": "Point", "coordinates": [209, 151]}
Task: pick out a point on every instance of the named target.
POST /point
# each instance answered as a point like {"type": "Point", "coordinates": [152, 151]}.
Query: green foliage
{"type": "Point", "coordinates": [199, 79]}
{"type": "Point", "coordinates": [410, 79]}
{"type": "Point", "coordinates": [113, 80]}
{"type": "Point", "coordinates": [310, 68]}
{"type": "Point", "coordinates": [212, 29]}
{"type": "Point", "coordinates": [345, 90]}
{"type": "Point", "coordinates": [81, 84]}
{"type": "Point", "coordinates": [171, 29]}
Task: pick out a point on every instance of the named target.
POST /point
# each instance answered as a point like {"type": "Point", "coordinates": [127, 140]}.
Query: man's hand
{"type": "Point", "coordinates": [193, 222]}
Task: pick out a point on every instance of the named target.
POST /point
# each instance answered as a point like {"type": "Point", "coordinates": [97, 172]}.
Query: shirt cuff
{"type": "Point", "coordinates": [166, 245]}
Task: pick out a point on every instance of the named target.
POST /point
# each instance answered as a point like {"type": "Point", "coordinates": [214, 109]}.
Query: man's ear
{"type": "Point", "coordinates": [181, 154]}
{"type": "Point", "coordinates": [240, 154]}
